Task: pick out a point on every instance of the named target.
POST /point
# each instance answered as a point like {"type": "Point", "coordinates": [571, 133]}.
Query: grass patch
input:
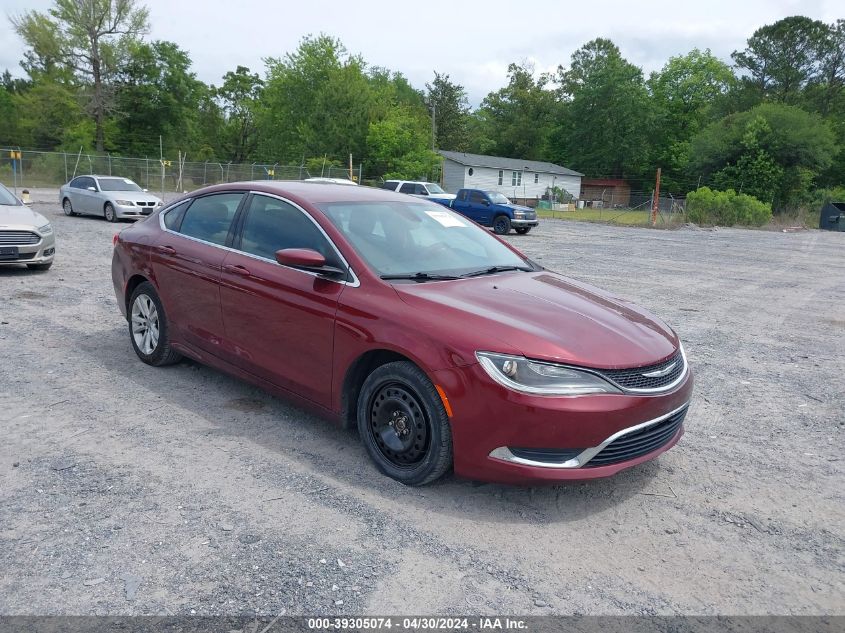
{"type": "Point", "coordinates": [625, 217]}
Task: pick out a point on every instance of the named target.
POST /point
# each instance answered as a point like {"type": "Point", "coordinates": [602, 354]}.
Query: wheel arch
{"type": "Point", "coordinates": [357, 373]}
{"type": "Point", "coordinates": [133, 282]}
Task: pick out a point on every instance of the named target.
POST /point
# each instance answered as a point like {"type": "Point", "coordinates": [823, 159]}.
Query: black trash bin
{"type": "Point", "coordinates": [833, 217]}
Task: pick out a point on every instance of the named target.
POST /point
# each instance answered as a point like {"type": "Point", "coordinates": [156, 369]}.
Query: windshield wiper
{"type": "Point", "coordinates": [420, 276]}
{"type": "Point", "coordinates": [496, 269]}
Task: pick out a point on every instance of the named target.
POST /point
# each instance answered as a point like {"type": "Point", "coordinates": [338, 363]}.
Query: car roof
{"type": "Point", "coordinates": [310, 192]}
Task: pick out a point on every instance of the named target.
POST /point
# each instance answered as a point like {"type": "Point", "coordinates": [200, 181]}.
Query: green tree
{"type": "Point", "coordinates": [604, 128]}
{"type": "Point", "coordinates": [86, 38]}
{"type": "Point", "coordinates": [683, 94]}
{"type": "Point", "coordinates": [156, 95]}
{"type": "Point", "coordinates": [518, 117]}
{"type": "Point", "coordinates": [239, 94]}
{"type": "Point", "coordinates": [782, 58]}
{"type": "Point", "coordinates": [398, 146]}
{"type": "Point", "coordinates": [316, 100]}
{"type": "Point", "coordinates": [451, 108]}
{"type": "Point", "coordinates": [780, 148]}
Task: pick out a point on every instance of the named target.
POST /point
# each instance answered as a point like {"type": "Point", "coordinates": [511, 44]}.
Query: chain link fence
{"type": "Point", "coordinates": [28, 168]}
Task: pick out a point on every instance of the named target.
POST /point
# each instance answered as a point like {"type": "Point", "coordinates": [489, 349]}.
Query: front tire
{"type": "Point", "coordinates": [109, 213]}
{"type": "Point", "coordinates": [149, 329]}
{"type": "Point", "coordinates": [501, 225]}
{"type": "Point", "coordinates": [523, 230]}
{"type": "Point", "coordinates": [67, 207]}
{"type": "Point", "coordinates": [403, 424]}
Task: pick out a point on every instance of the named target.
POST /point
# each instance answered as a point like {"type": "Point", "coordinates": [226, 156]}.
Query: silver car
{"type": "Point", "coordinates": [112, 197]}
{"type": "Point", "coordinates": [26, 237]}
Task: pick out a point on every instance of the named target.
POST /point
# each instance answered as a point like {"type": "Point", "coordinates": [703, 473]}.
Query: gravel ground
{"type": "Point", "coordinates": [126, 489]}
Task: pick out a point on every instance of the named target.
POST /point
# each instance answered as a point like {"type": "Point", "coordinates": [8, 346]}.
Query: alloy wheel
{"type": "Point", "coordinates": [68, 208]}
{"type": "Point", "coordinates": [145, 324]}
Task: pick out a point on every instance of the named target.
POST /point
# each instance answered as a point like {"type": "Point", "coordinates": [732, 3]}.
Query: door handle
{"type": "Point", "coordinates": [167, 250]}
{"type": "Point", "coordinates": [237, 269]}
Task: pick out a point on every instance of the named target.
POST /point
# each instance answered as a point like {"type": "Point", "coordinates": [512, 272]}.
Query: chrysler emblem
{"type": "Point", "coordinates": [661, 372]}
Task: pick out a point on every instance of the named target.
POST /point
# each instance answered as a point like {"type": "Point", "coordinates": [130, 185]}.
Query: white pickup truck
{"type": "Point", "coordinates": [418, 188]}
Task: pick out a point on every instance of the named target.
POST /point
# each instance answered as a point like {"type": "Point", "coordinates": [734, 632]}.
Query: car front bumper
{"type": "Point", "coordinates": [134, 212]}
{"type": "Point", "coordinates": [489, 420]}
{"type": "Point", "coordinates": [41, 252]}
{"type": "Point", "coordinates": [519, 223]}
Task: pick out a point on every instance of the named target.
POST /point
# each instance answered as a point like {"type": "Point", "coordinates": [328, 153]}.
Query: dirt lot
{"type": "Point", "coordinates": [126, 489]}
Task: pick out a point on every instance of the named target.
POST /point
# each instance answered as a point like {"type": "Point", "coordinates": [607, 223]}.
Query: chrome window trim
{"type": "Point", "coordinates": [503, 453]}
{"type": "Point", "coordinates": [352, 284]}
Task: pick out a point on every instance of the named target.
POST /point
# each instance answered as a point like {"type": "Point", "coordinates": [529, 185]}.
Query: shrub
{"type": "Point", "coordinates": [726, 208]}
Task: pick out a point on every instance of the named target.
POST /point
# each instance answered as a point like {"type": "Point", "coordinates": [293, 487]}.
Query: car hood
{"type": "Point", "coordinates": [545, 316]}
{"type": "Point", "coordinates": [518, 207]}
{"type": "Point", "coordinates": [134, 196]}
{"type": "Point", "coordinates": [20, 216]}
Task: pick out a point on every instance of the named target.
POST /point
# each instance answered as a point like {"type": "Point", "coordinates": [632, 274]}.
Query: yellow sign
{"type": "Point", "coordinates": [15, 155]}
{"type": "Point", "coordinates": [165, 163]}
{"type": "Point", "coordinates": [271, 172]}
{"type": "Point", "coordinates": [354, 178]}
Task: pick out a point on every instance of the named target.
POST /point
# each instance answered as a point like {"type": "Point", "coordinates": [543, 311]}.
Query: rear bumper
{"type": "Point", "coordinates": [488, 417]}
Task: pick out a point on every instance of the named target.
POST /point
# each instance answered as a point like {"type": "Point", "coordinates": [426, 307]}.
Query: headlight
{"type": "Point", "coordinates": [547, 379]}
{"type": "Point", "coordinates": [125, 203]}
{"type": "Point", "coordinates": [159, 203]}
{"type": "Point", "coordinates": [519, 214]}
{"type": "Point", "coordinates": [46, 229]}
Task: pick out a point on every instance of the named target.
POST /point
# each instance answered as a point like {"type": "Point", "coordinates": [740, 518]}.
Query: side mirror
{"type": "Point", "coordinates": [94, 189]}
{"type": "Point", "coordinates": [486, 203]}
{"type": "Point", "coordinates": [306, 259]}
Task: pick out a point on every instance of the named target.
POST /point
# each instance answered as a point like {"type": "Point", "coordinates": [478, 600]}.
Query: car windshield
{"type": "Point", "coordinates": [497, 198]}
{"type": "Point", "coordinates": [402, 238]}
{"type": "Point", "coordinates": [117, 184]}
{"type": "Point", "coordinates": [434, 188]}
{"type": "Point", "coordinates": [7, 198]}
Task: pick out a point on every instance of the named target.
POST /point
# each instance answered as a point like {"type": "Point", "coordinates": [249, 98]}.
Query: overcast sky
{"type": "Point", "coordinates": [472, 41]}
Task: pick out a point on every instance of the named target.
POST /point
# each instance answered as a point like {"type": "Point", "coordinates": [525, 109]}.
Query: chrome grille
{"type": "Point", "coordinates": [639, 443]}
{"type": "Point", "coordinates": [637, 377]}
{"type": "Point", "coordinates": [18, 238]}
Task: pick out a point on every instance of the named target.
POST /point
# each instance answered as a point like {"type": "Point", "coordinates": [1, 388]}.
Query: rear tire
{"type": "Point", "coordinates": [149, 329]}
{"type": "Point", "coordinates": [67, 207]}
{"type": "Point", "coordinates": [109, 213]}
{"type": "Point", "coordinates": [501, 225]}
{"type": "Point", "coordinates": [403, 424]}
{"type": "Point", "coordinates": [523, 230]}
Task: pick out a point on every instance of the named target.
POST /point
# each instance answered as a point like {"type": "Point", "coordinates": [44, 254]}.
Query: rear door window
{"type": "Point", "coordinates": [476, 197]}
{"type": "Point", "coordinates": [210, 217]}
{"type": "Point", "coordinates": [407, 187]}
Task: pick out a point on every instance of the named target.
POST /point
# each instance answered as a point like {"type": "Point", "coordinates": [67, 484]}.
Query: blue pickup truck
{"type": "Point", "coordinates": [490, 208]}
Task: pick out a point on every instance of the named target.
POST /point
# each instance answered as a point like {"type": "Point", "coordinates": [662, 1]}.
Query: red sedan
{"type": "Point", "coordinates": [444, 345]}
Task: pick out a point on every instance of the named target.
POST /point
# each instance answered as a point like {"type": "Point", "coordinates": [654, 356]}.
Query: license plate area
{"type": "Point", "coordinates": [8, 252]}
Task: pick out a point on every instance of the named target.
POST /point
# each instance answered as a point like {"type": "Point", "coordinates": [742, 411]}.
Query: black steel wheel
{"type": "Point", "coordinates": [403, 424]}
{"type": "Point", "coordinates": [501, 225]}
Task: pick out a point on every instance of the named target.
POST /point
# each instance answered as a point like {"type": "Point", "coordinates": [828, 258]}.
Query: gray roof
{"type": "Point", "coordinates": [516, 164]}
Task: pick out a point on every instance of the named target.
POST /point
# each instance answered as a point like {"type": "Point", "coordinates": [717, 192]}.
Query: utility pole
{"type": "Point", "coordinates": [656, 203]}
